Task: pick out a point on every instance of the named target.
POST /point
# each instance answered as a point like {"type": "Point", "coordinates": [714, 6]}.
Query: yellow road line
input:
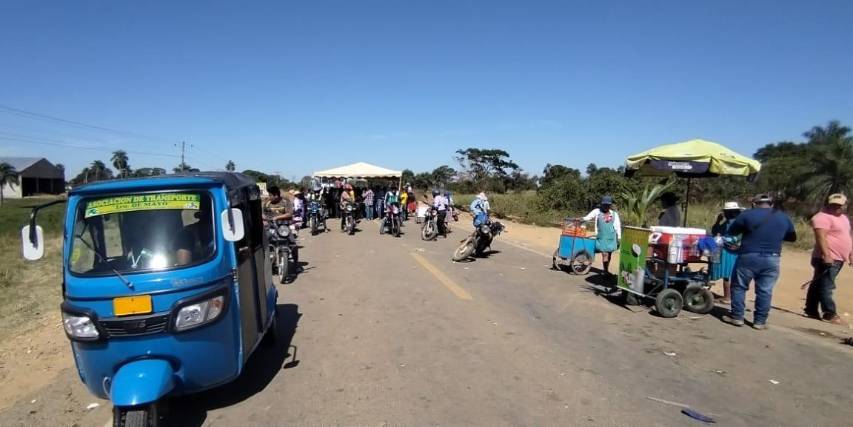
{"type": "Point", "coordinates": [449, 284]}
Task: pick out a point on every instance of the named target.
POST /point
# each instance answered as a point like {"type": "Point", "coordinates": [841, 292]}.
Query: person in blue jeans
{"type": "Point", "coordinates": [763, 228]}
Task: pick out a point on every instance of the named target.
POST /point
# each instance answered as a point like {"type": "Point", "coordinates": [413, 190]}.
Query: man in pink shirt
{"type": "Point", "coordinates": [833, 247]}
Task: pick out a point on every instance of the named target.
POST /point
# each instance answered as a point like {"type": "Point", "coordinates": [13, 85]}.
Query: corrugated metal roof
{"type": "Point", "coordinates": [20, 163]}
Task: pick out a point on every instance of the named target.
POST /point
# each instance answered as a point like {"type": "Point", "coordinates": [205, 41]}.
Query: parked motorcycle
{"type": "Point", "coordinates": [316, 217]}
{"type": "Point", "coordinates": [349, 218]}
{"type": "Point", "coordinates": [478, 241]}
{"type": "Point", "coordinates": [282, 248]}
{"type": "Point", "coordinates": [429, 230]}
{"type": "Point", "coordinates": [391, 222]}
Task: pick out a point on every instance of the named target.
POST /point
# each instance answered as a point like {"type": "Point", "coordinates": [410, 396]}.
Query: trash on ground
{"type": "Point", "coordinates": [91, 406]}
{"type": "Point", "coordinates": [774, 382]}
{"type": "Point", "coordinates": [685, 409]}
{"type": "Point", "coordinates": [692, 413]}
{"type": "Point", "coordinates": [670, 353]}
{"type": "Point", "coordinates": [720, 372]}
{"type": "Point", "coordinates": [33, 401]}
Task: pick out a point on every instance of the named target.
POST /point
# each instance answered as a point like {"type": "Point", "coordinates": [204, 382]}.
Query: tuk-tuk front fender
{"type": "Point", "coordinates": [141, 382]}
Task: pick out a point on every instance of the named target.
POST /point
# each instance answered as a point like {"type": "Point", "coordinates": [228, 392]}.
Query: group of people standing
{"type": "Point", "coordinates": [751, 250]}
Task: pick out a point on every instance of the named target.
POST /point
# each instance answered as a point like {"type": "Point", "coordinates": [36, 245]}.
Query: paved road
{"type": "Point", "coordinates": [387, 331]}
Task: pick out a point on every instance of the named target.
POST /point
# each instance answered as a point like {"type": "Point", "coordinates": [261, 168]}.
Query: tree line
{"type": "Point", "coordinates": [799, 174]}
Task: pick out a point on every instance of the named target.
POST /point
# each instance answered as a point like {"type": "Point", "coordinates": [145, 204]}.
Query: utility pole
{"type": "Point", "coordinates": [183, 150]}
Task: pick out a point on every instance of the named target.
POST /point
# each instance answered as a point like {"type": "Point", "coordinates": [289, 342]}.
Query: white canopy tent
{"type": "Point", "coordinates": [360, 170]}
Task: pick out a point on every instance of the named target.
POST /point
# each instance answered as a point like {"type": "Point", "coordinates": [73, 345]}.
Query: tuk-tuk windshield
{"type": "Point", "coordinates": [141, 232]}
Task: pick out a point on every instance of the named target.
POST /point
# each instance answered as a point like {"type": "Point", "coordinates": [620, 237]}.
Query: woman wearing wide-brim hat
{"type": "Point", "coordinates": [731, 245]}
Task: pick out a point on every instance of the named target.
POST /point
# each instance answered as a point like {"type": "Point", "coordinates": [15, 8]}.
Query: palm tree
{"type": "Point", "coordinates": [230, 166]}
{"type": "Point", "coordinates": [832, 157]}
{"type": "Point", "coordinates": [98, 171]}
{"type": "Point", "coordinates": [120, 162]}
{"type": "Point", "coordinates": [8, 175]}
{"type": "Point", "coordinates": [637, 203]}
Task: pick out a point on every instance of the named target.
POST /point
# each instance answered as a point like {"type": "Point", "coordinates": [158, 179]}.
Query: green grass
{"type": "Point", "coordinates": [28, 289]}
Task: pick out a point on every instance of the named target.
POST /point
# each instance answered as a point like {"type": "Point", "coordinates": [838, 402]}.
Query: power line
{"type": "Point", "coordinates": [38, 116]}
{"type": "Point", "coordinates": [47, 141]}
{"type": "Point", "coordinates": [58, 143]}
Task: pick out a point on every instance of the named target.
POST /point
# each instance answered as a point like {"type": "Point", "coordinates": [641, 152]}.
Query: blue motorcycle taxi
{"type": "Point", "coordinates": [167, 287]}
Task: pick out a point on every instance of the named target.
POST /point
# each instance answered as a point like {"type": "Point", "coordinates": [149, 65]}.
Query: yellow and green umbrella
{"type": "Point", "coordinates": [696, 158]}
{"type": "Point", "coordinates": [689, 159]}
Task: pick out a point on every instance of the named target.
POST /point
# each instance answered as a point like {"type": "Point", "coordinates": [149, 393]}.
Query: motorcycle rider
{"type": "Point", "coordinates": [451, 211]}
{"type": "Point", "coordinates": [480, 209]}
{"type": "Point", "coordinates": [278, 208]}
{"type": "Point", "coordinates": [317, 196]}
{"type": "Point", "coordinates": [298, 207]}
{"type": "Point", "coordinates": [439, 202]}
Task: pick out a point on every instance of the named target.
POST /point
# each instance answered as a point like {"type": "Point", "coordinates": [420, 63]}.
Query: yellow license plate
{"type": "Point", "coordinates": [126, 306]}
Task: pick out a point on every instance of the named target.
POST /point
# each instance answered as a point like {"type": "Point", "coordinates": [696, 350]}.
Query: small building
{"type": "Point", "coordinates": [36, 175]}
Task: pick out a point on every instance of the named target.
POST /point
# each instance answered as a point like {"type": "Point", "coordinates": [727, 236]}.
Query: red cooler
{"type": "Point", "coordinates": [676, 244]}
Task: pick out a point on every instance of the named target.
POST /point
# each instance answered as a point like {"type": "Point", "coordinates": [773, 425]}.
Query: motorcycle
{"type": "Point", "coordinates": [316, 217]}
{"type": "Point", "coordinates": [282, 248]}
{"type": "Point", "coordinates": [391, 222]}
{"type": "Point", "coordinates": [349, 218]}
{"type": "Point", "coordinates": [429, 231]}
{"type": "Point", "coordinates": [478, 241]}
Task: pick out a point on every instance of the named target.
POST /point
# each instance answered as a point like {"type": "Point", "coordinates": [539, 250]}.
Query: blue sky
{"type": "Point", "coordinates": [294, 87]}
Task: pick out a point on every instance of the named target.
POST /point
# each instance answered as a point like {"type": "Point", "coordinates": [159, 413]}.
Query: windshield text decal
{"type": "Point", "coordinates": [142, 202]}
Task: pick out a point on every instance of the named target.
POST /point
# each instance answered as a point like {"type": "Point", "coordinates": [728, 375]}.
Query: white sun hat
{"type": "Point", "coordinates": [732, 206]}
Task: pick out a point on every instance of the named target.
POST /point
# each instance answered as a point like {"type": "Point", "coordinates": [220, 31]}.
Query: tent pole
{"type": "Point", "coordinates": [686, 202]}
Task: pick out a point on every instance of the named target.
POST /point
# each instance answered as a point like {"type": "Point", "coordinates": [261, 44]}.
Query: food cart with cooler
{"type": "Point", "coordinates": [661, 262]}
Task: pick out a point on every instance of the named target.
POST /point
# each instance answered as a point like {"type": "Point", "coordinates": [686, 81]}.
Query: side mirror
{"type": "Point", "coordinates": [33, 242]}
{"type": "Point", "coordinates": [232, 224]}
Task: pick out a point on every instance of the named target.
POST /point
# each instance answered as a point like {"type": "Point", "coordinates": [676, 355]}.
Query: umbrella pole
{"type": "Point", "coordinates": [686, 202]}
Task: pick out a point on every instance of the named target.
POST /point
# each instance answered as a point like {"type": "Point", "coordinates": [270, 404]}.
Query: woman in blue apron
{"type": "Point", "coordinates": [731, 244]}
{"type": "Point", "coordinates": [609, 230]}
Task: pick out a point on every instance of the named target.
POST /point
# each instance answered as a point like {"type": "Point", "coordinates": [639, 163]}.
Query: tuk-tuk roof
{"type": "Point", "coordinates": [231, 180]}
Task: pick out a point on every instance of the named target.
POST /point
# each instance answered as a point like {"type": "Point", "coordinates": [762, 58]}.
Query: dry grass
{"type": "Point", "coordinates": [28, 289]}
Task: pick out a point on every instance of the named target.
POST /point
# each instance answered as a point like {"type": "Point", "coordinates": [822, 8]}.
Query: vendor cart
{"type": "Point", "coordinates": [576, 249]}
{"type": "Point", "coordinates": [669, 265]}
{"type": "Point", "coordinates": [672, 264]}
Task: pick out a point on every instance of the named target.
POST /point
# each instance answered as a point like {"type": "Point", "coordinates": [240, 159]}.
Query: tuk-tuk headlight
{"type": "Point", "coordinates": [79, 326]}
{"type": "Point", "coordinates": [200, 313]}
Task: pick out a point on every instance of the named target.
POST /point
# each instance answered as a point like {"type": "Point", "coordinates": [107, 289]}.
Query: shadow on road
{"type": "Point", "coordinates": [259, 371]}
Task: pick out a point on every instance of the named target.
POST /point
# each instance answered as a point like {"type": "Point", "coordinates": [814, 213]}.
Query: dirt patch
{"type": "Point", "coordinates": [31, 360]}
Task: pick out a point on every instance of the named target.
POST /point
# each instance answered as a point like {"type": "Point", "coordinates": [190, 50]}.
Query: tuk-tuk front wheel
{"type": "Point", "coordinates": [137, 416]}
{"type": "Point", "coordinates": [669, 302]}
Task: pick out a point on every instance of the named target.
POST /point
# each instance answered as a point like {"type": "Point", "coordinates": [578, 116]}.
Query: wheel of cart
{"type": "Point", "coordinates": [679, 288]}
{"type": "Point", "coordinates": [576, 249]}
